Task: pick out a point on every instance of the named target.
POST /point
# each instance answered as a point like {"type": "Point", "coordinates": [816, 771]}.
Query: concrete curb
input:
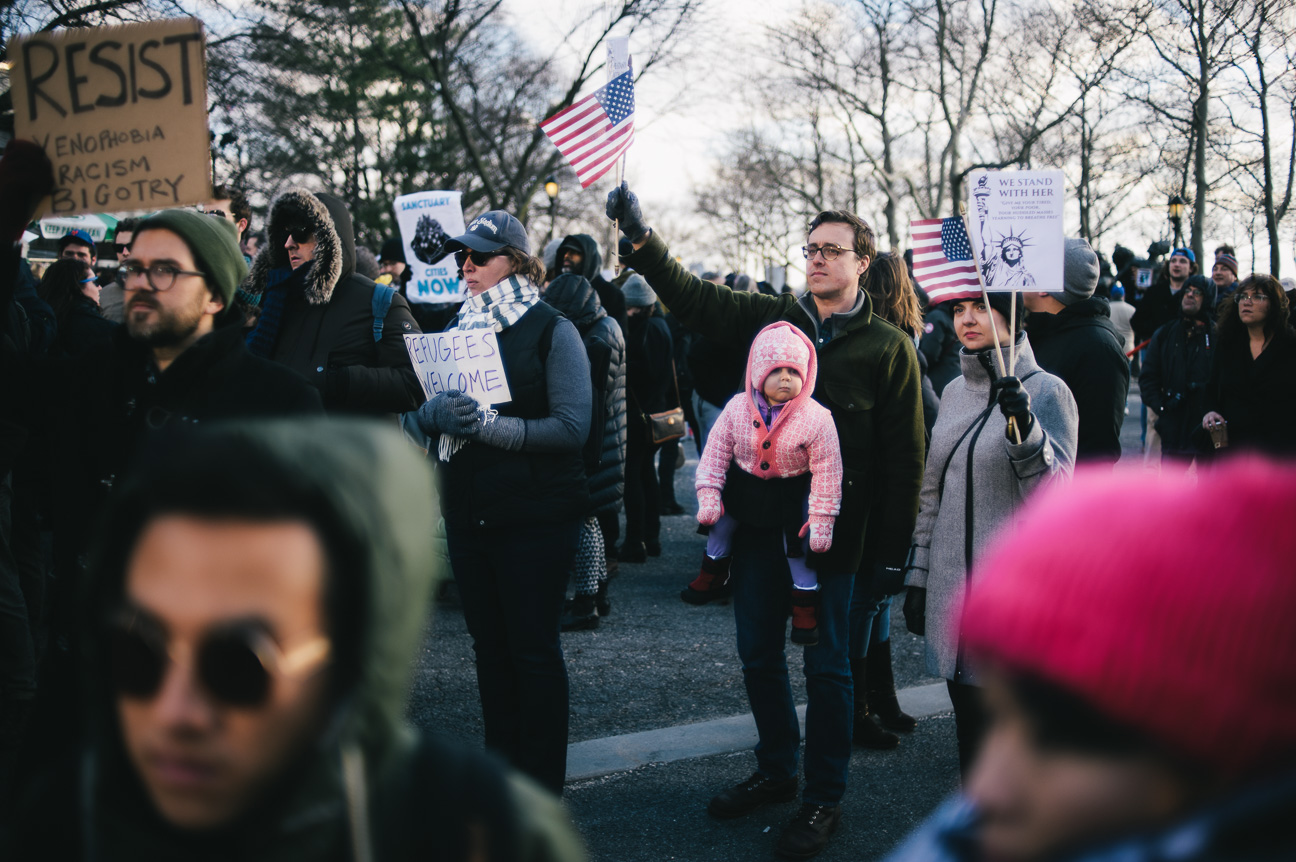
{"type": "Point", "coordinates": [595, 758]}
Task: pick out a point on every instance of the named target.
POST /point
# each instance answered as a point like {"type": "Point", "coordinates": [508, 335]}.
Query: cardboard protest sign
{"type": "Point", "coordinates": [427, 220]}
{"type": "Point", "coordinates": [121, 112]}
{"type": "Point", "coordinates": [467, 360]}
{"type": "Point", "coordinates": [1016, 229]}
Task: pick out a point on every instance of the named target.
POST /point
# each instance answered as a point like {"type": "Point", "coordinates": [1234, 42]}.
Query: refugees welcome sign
{"type": "Point", "coordinates": [120, 111]}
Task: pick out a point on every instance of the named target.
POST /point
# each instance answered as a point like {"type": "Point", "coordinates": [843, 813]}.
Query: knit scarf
{"type": "Point", "coordinates": [496, 308]}
{"type": "Point", "coordinates": [280, 282]}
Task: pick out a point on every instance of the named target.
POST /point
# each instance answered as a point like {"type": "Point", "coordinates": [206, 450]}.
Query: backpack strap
{"type": "Point", "coordinates": [382, 300]}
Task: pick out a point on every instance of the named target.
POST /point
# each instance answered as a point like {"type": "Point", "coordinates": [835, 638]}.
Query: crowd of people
{"type": "Point", "coordinates": [227, 501]}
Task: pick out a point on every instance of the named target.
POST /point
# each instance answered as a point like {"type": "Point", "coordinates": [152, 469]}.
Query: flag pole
{"type": "Point", "coordinates": [985, 294]}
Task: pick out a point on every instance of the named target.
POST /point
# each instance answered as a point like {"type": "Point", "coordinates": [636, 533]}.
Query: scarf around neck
{"type": "Point", "coordinates": [499, 307]}
{"type": "Point", "coordinates": [496, 308]}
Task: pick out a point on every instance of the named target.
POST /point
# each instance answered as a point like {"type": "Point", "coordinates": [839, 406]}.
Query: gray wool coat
{"type": "Point", "coordinates": [1003, 474]}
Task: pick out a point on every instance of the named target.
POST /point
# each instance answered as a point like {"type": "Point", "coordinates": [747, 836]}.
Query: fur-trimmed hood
{"type": "Point", "coordinates": [326, 217]}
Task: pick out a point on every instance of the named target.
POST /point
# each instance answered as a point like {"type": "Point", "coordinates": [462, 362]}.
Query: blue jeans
{"type": "Point", "coordinates": [762, 583]}
{"type": "Point", "coordinates": [512, 582]}
{"type": "Point", "coordinates": [870, 621]}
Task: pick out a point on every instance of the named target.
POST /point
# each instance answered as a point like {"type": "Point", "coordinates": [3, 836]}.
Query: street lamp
{"type": "Point", "coordinates": [551, 189]}
{"type": "Point", "coordinates": [1175, 210]}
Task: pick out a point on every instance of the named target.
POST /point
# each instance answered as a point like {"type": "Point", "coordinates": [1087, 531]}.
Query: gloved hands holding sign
{"type": "Point", "coordinates": [450, 412]}
{"type": "Point", "coordinates": [1014, 402]}
{"type": "Point", "coordinates": [623, 208]}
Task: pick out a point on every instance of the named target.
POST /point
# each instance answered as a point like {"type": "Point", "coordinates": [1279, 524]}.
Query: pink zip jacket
{"type": "Point", "coordinates": [801, 437]}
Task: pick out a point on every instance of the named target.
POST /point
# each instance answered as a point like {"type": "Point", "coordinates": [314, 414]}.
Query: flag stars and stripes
{"type": "Point", "coordinates": [596, 130]}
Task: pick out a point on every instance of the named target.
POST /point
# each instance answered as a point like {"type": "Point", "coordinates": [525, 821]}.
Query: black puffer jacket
{"type": "Point", "coordinates": [1175, 372]}
{"type": "Point", "coordinates": [591, 267]}
{"type": "Point", "coordinates": [1080, 345]}
{"type": "Point", "coordinates": [605, 345]}
{"type": "Point", "coordinates": [326, 329]}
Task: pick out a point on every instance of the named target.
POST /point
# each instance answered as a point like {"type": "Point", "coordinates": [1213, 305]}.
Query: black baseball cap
{"type": "Point", "coordinates": [491, 231]}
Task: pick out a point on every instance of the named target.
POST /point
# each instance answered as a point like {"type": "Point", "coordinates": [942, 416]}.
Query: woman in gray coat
{"type": "Point", "coordinates": [967, 498]}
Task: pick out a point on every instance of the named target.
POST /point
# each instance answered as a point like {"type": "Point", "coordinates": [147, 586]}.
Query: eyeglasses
{"type": "Point", "coordinates": [121, 246]}
{"type": "Point", "coordinates": [1252, 297]}
{"type": "Point", "coordinates": [300, 235]}
{"type": "Point", "coordinates": [235, 663]}
{"type": "Point", "coordinates": [88, 279]}
{"type": "Point", "coordinates": [479, 258]}
{"type": "Point", "coordinates": [216, 213]}
{"type": "Point", "coordinates": [830, 252]}
{"type": "Point", "coordinates": [1194, 291]}
{"type": "Point", "coordinates": [161, 276]}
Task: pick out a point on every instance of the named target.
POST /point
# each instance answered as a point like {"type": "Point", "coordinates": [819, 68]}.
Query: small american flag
{"type": "Point", "coordinates": [942, 259]}
{"type": "Point", "coordinates": [594, 132]}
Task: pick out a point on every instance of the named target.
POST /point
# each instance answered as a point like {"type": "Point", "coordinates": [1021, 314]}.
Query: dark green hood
{"type": "Point", "coordinates": [376, 494]}
{"type": "Point", "coordinates": [592, 258]}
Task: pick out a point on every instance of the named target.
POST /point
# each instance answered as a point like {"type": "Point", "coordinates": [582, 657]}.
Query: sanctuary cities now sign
{"type": "Point", "coordinates": [120, 111]}
{"type": "Point", "coordinates": [467, 360]}
{"type": "Point", "coordinates": [427, 221]}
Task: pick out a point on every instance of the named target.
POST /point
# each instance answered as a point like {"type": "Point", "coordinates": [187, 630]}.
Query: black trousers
{"type": "Point", "coordinates": [642, 500]}
{"type": "Point", "coordinates": [969, 722]}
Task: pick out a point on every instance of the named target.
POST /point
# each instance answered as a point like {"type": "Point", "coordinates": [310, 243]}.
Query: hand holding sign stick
{"type": "Point", "coordinates": [994, 328]}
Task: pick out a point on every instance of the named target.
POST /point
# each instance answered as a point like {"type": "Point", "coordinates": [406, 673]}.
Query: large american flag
{"type": "Point", "coordinates": [594, 132]}
{"type": "Point", "coordinates": [942, 259]}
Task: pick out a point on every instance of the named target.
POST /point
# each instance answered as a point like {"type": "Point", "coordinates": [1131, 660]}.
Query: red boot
{"type": "Point", "coordinates": [805, 617]}
{"type": "Point", "coordinates": [712, 583]}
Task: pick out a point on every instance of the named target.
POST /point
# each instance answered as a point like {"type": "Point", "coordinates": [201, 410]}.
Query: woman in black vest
{"type": "Point", "coordinates": [513, 493]}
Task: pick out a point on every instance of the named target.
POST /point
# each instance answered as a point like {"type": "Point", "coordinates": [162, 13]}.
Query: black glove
{"type": "Point", "coordinates": [887, 580]}
{"type": "Point", "coordinates": [1014, 401]}
{"type": "Point", "coordinates": [623, 208]}
{"type": "Point", "coordinates": [26, 176]}
{"type": "Point", "coordinates": [915, 611]}
{"type": "Point", "coordinates": [451, 412]}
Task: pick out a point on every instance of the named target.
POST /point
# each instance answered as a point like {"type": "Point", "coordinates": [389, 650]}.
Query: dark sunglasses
{"type": "Point", "coordinates": [479, 258]}
{"type": "Point", "coordinates": [301, 235]}
{"type": "Point", "coordinates": [121, 246]}
{"type": "Point", "coordinates": [234, 663]}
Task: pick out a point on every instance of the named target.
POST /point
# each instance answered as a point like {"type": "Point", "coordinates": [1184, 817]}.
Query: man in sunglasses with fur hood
{"type": "Point", "coordinates": [321, 318]}
{"type": "Point", "coordinates": [256, 602]}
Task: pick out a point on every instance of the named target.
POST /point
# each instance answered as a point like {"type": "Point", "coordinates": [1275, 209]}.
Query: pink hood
{"type": "Point", "coordinates": [781, 345]}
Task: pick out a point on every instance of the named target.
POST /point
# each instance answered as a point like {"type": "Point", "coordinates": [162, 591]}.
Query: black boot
{"type": "Point", "coordinates": [580, 614]}
{"type": "Point", "coordinates": [712, 583]}
{"type": "Point", "coordinates": [867, 734]}
{"type": "Point", "coordinates": [881, 690]}
{"type": "Point", "coordinates": [601, 600]}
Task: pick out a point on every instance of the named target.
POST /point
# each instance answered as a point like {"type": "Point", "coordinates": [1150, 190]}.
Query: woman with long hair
{"type": "Point", "coordinates": [69, 288]}
{"type": "Point", "coordinates": [895, 300]}
{"type": "Point", "coordinates": [1251, 396]}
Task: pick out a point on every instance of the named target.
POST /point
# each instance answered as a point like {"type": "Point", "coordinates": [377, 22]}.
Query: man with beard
{"type": "Point", "coordinates": [579, 254]}
{"type": "Point", "coordinates": [179, 359]}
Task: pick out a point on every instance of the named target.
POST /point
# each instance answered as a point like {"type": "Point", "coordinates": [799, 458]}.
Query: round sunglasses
{"type": "Point", "coordinates": [235, 663]}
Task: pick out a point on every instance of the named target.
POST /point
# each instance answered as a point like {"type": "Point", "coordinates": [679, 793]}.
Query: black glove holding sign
{"type": "Point", "coordinates": [1014, 402]}
{"type": "Point", "coordinates": [915, 611]}
{"type": "Point", "coordinates": [623, 208]}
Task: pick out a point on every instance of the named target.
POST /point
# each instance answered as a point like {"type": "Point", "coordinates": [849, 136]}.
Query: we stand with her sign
{"type": "Point", "coordinates": [120, 111]}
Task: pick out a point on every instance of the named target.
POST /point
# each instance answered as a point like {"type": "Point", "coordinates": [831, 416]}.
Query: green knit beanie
{"type": "Point", "coordinates": [214, 243]}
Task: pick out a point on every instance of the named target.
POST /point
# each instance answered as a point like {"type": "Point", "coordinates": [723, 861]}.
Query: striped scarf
{"type": "Point", "coordinates": [496, 308]}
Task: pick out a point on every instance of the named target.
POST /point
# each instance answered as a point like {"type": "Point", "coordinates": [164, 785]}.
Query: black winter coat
{"type": "Point", "coordinates": [1257, 397]}
{"type": "Point", "coordinates": [650, 381]}
{"type": "Point", "coordinates": [591, 267]}
{"type": "Point", "coordinates": [1173, 381]}
{"type": "Point", "coordinates": [1080, 345]}
{"type": "Point", "coordinates": [326, 332]}
{"type": "Point", "coordinates": [940, 346]}
{"type": "Point", "coordinates": [605, 345]}
{"type": "Point", "coordinates": [83, 329]}
{"type": "Point", "coordinates": [717, 369]}
{"type": "Point", "coordinates": [95, 414]}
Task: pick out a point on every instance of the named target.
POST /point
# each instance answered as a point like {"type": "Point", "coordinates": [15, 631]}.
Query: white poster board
{"type": "Point", "coordinates": [427, 220]}
{"type": "Point", "coordinates": [466, 360]}
{"type": "Point", "coordinates": [1017, 231]}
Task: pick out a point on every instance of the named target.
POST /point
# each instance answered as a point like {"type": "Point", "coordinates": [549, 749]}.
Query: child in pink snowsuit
{"type": "Point", "coordinates": [772, 461]}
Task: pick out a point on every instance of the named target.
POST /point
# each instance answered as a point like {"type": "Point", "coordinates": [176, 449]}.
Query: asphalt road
{"type": "Point", "coordinates": [655, 663]}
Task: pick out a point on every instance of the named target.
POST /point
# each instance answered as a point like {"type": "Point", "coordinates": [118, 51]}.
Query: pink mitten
{"type": "Point", "coordinates": [709, 506]}
{"type": "Point", "coordinates": [820, 528]}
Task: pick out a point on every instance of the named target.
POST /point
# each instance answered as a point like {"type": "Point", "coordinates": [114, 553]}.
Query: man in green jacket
{"type": "Point", "coordinates": [869, 379]}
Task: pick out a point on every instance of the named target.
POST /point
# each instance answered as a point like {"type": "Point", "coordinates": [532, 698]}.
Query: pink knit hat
{"type": "Point", "coordinates": [1180, 622]}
